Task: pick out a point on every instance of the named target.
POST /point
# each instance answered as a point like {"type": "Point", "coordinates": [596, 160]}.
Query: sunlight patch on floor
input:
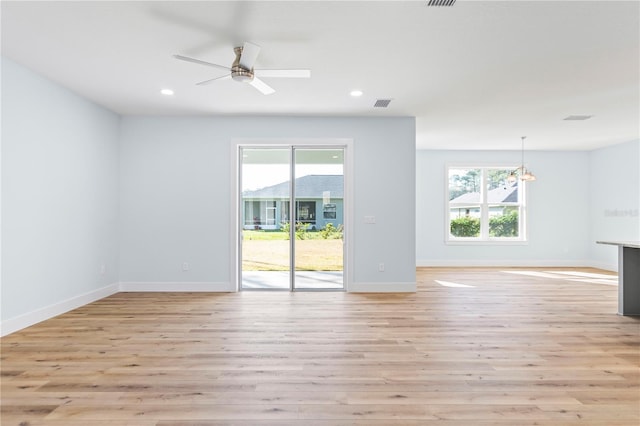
{"type": "Point", "coordinates": [450, 284]}
{"type": "Point", "coordinates": [576, 276]}
{"type": "Point", "coordinates": [534, 274]}
{"type": "Point", "coordinates": [587, 275]}
{"type": "Point", "coordinates": [595, 281]}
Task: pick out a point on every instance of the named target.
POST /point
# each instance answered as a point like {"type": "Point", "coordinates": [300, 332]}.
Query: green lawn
{"type": "Point", "coordinates": [264, 235]}
{"type": "Point", "coordinates": [277, 235]}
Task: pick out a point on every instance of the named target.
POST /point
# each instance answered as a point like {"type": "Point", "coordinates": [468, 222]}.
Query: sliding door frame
{"type": "Point", "coordinates": [235, 228]}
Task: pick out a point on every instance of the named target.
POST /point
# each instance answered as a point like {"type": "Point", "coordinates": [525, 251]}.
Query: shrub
{"type": "Point", "coordinates": [301, 230]}
{"type": "Point", "coordinates": [285, 227]}
{"type": "Point", "coordinates": [465, 227]}
{"type": "Point", "coordinates": [330, 232]}
{"type": "Point", "coordinates": [504, 226]}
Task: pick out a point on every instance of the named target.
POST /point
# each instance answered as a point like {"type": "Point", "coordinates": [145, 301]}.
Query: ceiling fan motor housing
{"type": "Point", "coordinates": [238, 73]}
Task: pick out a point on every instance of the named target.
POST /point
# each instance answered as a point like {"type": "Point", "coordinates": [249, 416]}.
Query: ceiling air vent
{"type": "Point", "coordinates": [382, 103]}
{"type": "Point", "coordinates": [578, 117]}
{"type": "Point", "coordinates": [441, 2]}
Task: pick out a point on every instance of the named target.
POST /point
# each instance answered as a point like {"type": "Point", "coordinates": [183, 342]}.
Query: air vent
{"type": "Point", "coordinates": [382, 103]}
{"type": "Point", "coordinates": [441, 2]}
{"type": "Point", "coordinates": [578, 117]}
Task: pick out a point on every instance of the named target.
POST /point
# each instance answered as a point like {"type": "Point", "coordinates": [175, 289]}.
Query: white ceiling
{"type": "Point", "coordinates": [477, 75]}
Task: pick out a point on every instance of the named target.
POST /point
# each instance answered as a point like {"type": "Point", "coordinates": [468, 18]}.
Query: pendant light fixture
{"type": "Point", "coordinates": [521, 172]}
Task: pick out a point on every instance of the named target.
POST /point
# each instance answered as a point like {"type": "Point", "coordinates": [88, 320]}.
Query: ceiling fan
{"type": "Point", "coordinates": [241, 69]}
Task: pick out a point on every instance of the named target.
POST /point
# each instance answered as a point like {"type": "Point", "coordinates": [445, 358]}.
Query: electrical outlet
{"type": "Point", "coordinates": [103, 269]}
{"type": "Point", "coordinates": [381, 267]}
{"type": "Point", "coordinates": [185, 266]}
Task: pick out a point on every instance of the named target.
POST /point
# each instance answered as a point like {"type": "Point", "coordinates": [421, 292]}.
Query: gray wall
{"type": "Point", "coordinates": [557, 212]}
{"type": "Point", "coordinates": [59, 193]}
{"type": "Point", "coordinates": [82, 188]}
{"type": "Point", "coordinates": [579, 197]}
{"type": "Point", "coordinates": [175, 193]}
{"type": "Point", "coordinates": [614, 183]}
{"type": "Point", "coordinates": [91, 200]}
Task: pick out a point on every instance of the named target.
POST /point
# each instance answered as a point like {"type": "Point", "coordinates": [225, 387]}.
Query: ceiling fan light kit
{"type": "Point", "coordinates": [242, 69]}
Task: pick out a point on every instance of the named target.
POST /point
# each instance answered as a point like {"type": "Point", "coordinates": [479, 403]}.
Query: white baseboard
{"type": "Point", "coordinates": [169, 286]}
{"type": "Point", "coordinates": [382, 287]}
{"type": "Point", "coordinates": [502, 263]}
{"type": "Point", "coordinates": [612, 267]}
{"type": "Point", "coordinates": [30, 318]}
{"type": "Point", "coordinates": [20, 322]}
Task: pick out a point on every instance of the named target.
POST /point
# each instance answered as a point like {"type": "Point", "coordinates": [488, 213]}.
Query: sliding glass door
{"type": "Point", "coordinates": [265, 192]}
{"type": "Point", "coordinates": [318, 191]}
{"type": "Point", "coordinates": [292, 210]}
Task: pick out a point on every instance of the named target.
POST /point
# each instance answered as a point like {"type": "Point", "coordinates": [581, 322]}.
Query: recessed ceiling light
{"type": "Point", "coordinates": [356, 93]}
{"type": "Point", "coordinates": [167, 92]}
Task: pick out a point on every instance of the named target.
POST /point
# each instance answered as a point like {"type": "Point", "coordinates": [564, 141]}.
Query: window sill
{"type": "Point", "coordinates": [486, 242]}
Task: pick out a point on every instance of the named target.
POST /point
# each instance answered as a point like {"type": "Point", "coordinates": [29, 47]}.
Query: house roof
{"type": "Point", "coordinates": [502, 194]}
{"type": "Point", "coordinates": [310, 186]}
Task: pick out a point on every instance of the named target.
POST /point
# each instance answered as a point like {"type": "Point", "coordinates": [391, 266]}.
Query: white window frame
{"type": "Point", "coordinates": [484, 238]}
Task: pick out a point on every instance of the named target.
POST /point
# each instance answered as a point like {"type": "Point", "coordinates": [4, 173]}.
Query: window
{"type": "Point", "coordinates": [484, 205]}
{"type": "Point", "coordinates": [329, 211]}
{"type": "Point", "coordinates": [306, 212]}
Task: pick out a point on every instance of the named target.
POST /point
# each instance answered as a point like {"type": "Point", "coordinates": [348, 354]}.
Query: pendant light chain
{"type": "Point", "coordinates": [524, 174]}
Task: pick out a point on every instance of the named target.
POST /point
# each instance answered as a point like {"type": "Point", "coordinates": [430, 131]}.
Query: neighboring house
{"type": "Point", "coordinates": [319, 201]}
{"type": "Point", "coordinates": [497, 198]}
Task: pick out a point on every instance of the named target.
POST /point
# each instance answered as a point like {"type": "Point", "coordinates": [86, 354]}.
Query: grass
{"type": "Point", "coordinates": [273, 254]}
{"type": "Point", "coordinates": [264, 235]}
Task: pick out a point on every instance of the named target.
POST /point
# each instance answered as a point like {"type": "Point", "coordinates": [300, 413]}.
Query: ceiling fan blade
{"type": "Point", "coordinates": [262, 86]}
{"type": "Point", "coordinates": [224, 77]}
{"type": "Point", "coordinates": [283, 73]}
{"type": "Point", "coordinates": [249, 55]}
{"type": "Point", "coordinates": [198, 61]}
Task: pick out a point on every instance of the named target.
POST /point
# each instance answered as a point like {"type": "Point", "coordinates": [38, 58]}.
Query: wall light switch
{"type": "Point", "coordinates": [369, 219]}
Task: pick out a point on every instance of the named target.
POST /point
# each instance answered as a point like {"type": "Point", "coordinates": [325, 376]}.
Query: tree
{"type": "Point", "coordinates": [464, 183]}
{"type": "Point", "coordinates": [497, 178]}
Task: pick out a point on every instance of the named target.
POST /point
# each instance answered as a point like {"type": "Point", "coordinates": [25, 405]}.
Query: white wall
{"type": "Point", "coordinates": [175, 195]}
{"type": "Point", "coordinates": [614, 182]}
{"type": "Point", "coordinates": [59, 198]}
{"type": "Point", "coordinates": [557, 212]}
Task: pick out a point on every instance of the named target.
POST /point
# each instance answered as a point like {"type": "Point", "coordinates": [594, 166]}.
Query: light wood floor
{"type": "Point", "coordinates": [482, 347]}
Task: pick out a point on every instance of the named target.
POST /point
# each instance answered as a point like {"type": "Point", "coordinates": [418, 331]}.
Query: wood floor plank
{"type": "Point", "coordinates": [517, 346]}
